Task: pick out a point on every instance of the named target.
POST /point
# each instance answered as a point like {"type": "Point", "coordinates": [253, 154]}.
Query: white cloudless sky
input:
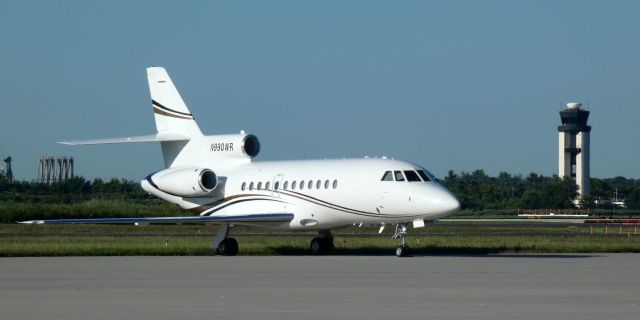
{"type": "Point", "coordinates": [459, 85]}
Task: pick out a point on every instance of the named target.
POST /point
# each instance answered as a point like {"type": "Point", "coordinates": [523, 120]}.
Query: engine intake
{"type": "Point", "coordinates": [208, 180]}
{"type": "Point", "coordinates": [251, 145]}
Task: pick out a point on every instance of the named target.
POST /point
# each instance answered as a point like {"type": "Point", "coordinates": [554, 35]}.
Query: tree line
{"type": "Point", "coordinates": [79, 198]}
{"type": "Point", "coordinates": [76, 189]}
{"type": "Point", "coordinates": [479, 191]}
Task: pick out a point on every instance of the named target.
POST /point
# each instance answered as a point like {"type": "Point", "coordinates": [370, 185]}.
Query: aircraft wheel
{"type": "Point", "coordinates": [319, 246]}
{"type": "Point", "coordinates": [402, 251]}
{"type": "Point", "coordinates": [228, 247]}
{"type": "Point", "coordinates": [330, 244]}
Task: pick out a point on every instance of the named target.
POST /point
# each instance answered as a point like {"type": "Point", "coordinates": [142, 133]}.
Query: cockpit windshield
{"type": "Point", "coordinates": [429, 175]}
{"type": "Point", "coordinates": [408, 175]}
{"type": "Point", "coordinates": [412, 176]}
{"type": "Point", "coordinates": [424, 175]}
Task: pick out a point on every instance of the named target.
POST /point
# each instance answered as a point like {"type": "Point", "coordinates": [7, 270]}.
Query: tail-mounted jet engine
{"type": "Point", "coordinates": [184, 182]}
{"type": "Point", "coordinates": [234, 146]}
{"type": "Point", "coordinates": [250, 145]}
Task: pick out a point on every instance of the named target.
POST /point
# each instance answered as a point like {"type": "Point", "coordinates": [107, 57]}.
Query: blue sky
{"type": "Point", "coordinates": [448, 84]}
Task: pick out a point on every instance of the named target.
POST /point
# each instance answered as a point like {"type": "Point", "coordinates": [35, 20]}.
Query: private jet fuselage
{"type": "Point", "coordinates": [325, 194]}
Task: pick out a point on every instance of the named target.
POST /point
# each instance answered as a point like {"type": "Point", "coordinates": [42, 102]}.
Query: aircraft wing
{"type": "Point", "coordinates": [150, 138]}
{"type": "Point", "coordinates": [250, 219]}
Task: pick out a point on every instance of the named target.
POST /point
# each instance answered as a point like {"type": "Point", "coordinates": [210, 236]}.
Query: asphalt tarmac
{"type": "Point", "coordinates": [601, 286]}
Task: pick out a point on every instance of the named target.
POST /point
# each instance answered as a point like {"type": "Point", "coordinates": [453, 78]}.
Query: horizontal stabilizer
{"type": "Point", "coordinates": [240, 219]}
{"type": "Point", "coordinates": [159, 137]}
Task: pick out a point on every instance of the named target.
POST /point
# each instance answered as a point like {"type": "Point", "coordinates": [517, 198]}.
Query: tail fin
{"type": "Point", "coordinates": [171, 113]}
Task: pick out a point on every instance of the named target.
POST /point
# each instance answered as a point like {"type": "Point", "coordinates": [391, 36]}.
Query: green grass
{"type": "Point", "coordinates": [451, 238]}
{"type": "Point", "coordinates": [509, 227]}
{"type": "Point", "coordinates": [513, 213]}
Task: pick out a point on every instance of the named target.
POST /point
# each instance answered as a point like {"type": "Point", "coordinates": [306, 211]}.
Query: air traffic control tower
{"type": "Point", "coordinates": [574, 146]}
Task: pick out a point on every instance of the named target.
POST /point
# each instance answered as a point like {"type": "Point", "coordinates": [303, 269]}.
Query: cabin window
{"type": "Point", "coordinates": [251, 186]}
{"type": "Point", "coordinates": [424, 175]}
{"type": "Point", "coordinates": [387, 176]}
{"type": "Point", "coordinates": [412, 176]}
{"type": "Point", "coordinates": [286, 185]}
{"type": "Point", "coordinates": [310, 185]}
{"type": "Point", "coordinates": [267, 185]}
{"type": "Point", "coordinates": [293, 185]}
{"type": "Point", "coordinates": [326, 184]}
{"type": "Point", "coordinates": [301, 184]}
{"type": "Point", "coordinates": [259, 185]}
{"type": "Point", "coordinates": [244, 185]}
{"type": "Point", "coordinates": [335, 184]}
{"type": "Point", "coordinates": [276, 185]}
{"type": "Point", "coordinates": [398, 175]}
{"type": "Point", "coordinates": [318, 184]}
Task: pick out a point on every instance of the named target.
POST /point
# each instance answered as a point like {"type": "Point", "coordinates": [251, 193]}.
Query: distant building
{"type": "Point", "coordinates": [53, 169]}
{"type": "Point", "coordinates": [7, 172]}
{"type": "Point", "coordinates": [573, 145]}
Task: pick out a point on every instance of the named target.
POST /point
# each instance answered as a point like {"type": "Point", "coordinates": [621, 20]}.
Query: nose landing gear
{"type": "Point", "coordinates": [401, 232]}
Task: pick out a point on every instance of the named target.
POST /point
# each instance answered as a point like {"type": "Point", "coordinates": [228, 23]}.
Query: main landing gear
{"type": "Point", "coordinates": [222, 244]}
{"type": "Point", "coordinates": [322, 244]}
{"type": "Point", "coordinates": [401, 232]}
{"type": "Point", "coordinates": [228, 247]}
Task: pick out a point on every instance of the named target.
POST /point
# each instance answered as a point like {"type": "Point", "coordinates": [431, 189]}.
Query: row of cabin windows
{"type": "Point", "coordinates": [294, 184]}
{"type": "Point", "coordinates": [406, 175]}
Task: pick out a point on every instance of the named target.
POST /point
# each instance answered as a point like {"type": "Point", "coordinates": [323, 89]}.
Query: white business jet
{"type": "Point", "coordinates": [215, 178]}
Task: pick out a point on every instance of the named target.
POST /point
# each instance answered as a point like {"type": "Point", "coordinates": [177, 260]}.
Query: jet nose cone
{"type": "Point", "coordinates": [446, 202]}
{"type": "Point", "coordinates": [452, 204]}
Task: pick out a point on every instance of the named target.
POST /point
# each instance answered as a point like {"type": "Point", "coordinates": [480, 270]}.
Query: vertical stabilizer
{"type": "Point", "coordinates": [171, 113]}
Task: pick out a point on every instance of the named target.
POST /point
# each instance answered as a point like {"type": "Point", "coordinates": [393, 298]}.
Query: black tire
{"type": "Point", "coordinates": [228, 247]}
{"type": "Point", "coordinates": [318, 246]}
{"type": "Point", "coordinates": [328, 245]}
{"type": "Point", "coordinates": [321, 245]}
{"type": "Point", "coordinates": [402, 251]}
